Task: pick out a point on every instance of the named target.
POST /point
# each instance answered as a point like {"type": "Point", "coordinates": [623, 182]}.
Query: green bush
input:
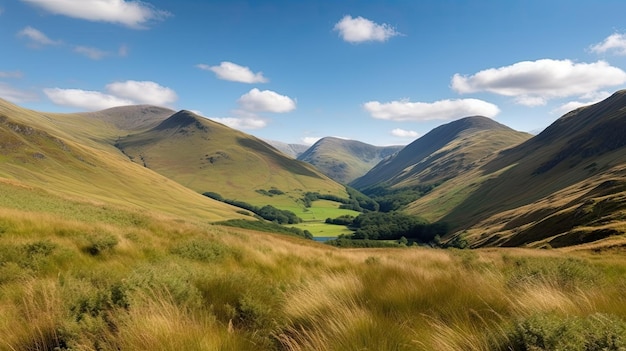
{"type": "Point", "coordinates": [597, 332]}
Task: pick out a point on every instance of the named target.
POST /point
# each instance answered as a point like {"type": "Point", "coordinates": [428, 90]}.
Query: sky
{"type": "Point", "coordinates": [381, 72]}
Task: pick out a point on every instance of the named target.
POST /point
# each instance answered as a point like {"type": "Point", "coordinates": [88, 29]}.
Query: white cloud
{"type": "Point", "coordinates": [118, 94]}
{"type": "Point", "coordinates": [359, 29]}
{"type": "Point", "coordinates": [133, 14]}
{"type": "Point", "coordinates": [310, 140]}
{"type": "Point", "coordinates": [15, 96]}
{"type": "Point", "coordinates": [37, 37]}
{"type": "Point", "coordinates": [143, 92]}
{"type": "Point", "coordinates": [92, 53]}
{"type": "Point", "coordinates": [241, 123]}
{"type": "Point", "coordinates": [535, 82]}
{"type": "Point", "coordinates": [404, 110]}
{"type": "Point", "coordinates": [266, 101]}
{"type": "Point", "coordinates": [401, 133]}
{"type": "Point", "coordinates": [233, 72]}
{"type": "Point", "coordinates": [85, 99]}
{"type": "Point", "coordinates": [530, 101]}
{"type": "Point", "coordinates": [615, 42]}
{"type": "Point", "coordinates": [589, 99]}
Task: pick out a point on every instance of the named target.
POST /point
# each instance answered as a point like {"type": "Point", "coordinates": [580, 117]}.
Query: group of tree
{"type": "Point", "coordinates": [356, 201]}
{"type": "Point", "coordinates": [392, 199]}
{"type": "Point", "coordinates": [267, 212]}
{"type": "Point", "coordinates": [391, 226]}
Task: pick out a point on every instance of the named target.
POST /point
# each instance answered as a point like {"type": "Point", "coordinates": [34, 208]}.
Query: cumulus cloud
{"type": "Point", "coordinates": [535, 82]}
{"type": "Point", "coordinates": [266, 101]}
{"type": "Point", "coordinates": [133, 14]}
{"type": "Point", "coordinates": [241, 123]}
{"type": "Point", "coordinates": [402, 133]}
{"type": "Point", "coordinates": [36, 37]}
{"type": "Point", "coordinates": [92, 53]}
{"type": "Point", "coordinates": [405, 110]}
{"type": "Point", "coordinates": [143, 92]}
{"type": "Point", "coordinates": [14, 95]}
{"type": "Point", "coordinates": [117, 94]}
{"type": "Point", "coordinates": [615, 42]}
{"type": "Point", "coordinates": [234, 72]}
{"type": "Point", "coordinates": [84, 99]}
{"type": "Point", "coordinates": [359, 29]}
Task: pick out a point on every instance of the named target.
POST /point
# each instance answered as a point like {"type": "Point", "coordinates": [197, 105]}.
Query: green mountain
{"type": "Point", "coordinates": [71, 157]}
{"type": "Point", "coordinates": [565, 186]}
{"type": "Point", "coordinates": [442, 154]}
{"type": "Point", "coordinates": [207, 156]}
{"type": "Point", "coordinates": [345, 160]}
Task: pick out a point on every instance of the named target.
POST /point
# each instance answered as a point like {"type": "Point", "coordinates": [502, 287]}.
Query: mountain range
{"type": "Point", "coordinates": [490, 184]}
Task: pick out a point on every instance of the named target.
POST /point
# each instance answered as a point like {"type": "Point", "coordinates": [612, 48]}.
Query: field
{"type": "Point", "coordinates": [180, 284]}
{"type": "Point", "coordinates": [315, 216]}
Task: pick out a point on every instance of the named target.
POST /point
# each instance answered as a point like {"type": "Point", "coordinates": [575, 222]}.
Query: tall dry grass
{"type": "Point", "coordinates": [164, 284]}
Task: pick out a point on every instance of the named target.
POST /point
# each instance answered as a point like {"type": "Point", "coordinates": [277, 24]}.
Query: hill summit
{"type": "Point", "coordinates": [345, 160]}
{"type": "Point", "coordinates": [442, 153]}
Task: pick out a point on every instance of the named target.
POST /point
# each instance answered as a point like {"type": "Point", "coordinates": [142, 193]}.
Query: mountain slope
{"type": "Point", "coordinates": [345, 160]}
{"type": "Point", "coordinates": [292, 150]}
{"type": "Point", "coordinates": [443, 153]}
{"type": "Point", "coordinates": [565, 186]}
{"type": "Point", "coordinates": [207, 156]}
{"type": "Point", "coordinates": [39, 152]}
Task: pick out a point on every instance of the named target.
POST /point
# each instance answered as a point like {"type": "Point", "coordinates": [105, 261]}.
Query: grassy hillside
{"type": "Point", "coordinates": [563, 187]}
{"type": "Point", "coordinates": [70, 156]}
{"type": "Point", "coordinates": [443, 153]}
{"type": "Point", "coordinates": [175, 284]}
{"type": "Point", "coordinates": [345, 160]}
{"type": "Point", "coordinates": [209, 157]}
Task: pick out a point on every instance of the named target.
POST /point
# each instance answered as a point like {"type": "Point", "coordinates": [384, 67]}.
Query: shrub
{"type": "Point", "coordinates": [551, 332]}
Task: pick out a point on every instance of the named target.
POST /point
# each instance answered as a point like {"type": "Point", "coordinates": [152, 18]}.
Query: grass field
{"type": "Point", "coordinates": [315, 216]}
{"type": "Point", "coordinates": [179, 284]}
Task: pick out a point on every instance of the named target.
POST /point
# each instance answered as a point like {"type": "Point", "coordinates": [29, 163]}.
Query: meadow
{"type": "Point", "coordinates": [105, 278]}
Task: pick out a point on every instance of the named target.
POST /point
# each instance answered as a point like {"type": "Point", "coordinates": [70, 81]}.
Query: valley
{"type": "Point", "coordinates": [473, 237]}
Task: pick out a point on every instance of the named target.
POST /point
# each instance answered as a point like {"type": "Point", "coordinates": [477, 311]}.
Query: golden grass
{"type": "Point", "coordinates": [242, 290]}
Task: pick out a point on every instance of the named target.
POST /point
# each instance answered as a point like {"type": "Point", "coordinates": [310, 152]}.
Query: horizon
{"type": "Point", "coordinates": [383, 73]}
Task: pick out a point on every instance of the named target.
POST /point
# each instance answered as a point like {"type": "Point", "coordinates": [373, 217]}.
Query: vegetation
{"type": "Point", "coordinates": [357, 201]}
{"type": "Point", "coordinates": [268, 227]}
{"type": "Point", "coordinates": [172, 284]}
{"type": "Point", "coordinates": [267, 212]}
{"type": "Point", "coordinates": [393, 199]}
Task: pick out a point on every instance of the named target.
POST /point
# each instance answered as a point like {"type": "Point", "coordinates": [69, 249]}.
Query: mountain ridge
{"type": "Point", "coordinates": [421, 154]}
{"type": "Point", "coordinates": [345, 160]}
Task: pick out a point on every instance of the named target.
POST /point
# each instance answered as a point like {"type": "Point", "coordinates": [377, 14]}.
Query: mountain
{"type": "Point", "coordinates": [71, 157]}
{"type": "Point", "coordinates": [291, 150]}
{"type": "Point", "coordinates": [565, 186]}
{"type": "Point", "coordinates": [442, 154]}
{"type": "Point", "coordinates": [207, 156]}
{"type": "Point", "coordinates": [345, 160]}
{"type": "Point", "coordinates": [134, 117]}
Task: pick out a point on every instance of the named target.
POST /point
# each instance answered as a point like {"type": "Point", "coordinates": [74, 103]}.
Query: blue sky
{"type": "Point", "coordinates": [382, 72]}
